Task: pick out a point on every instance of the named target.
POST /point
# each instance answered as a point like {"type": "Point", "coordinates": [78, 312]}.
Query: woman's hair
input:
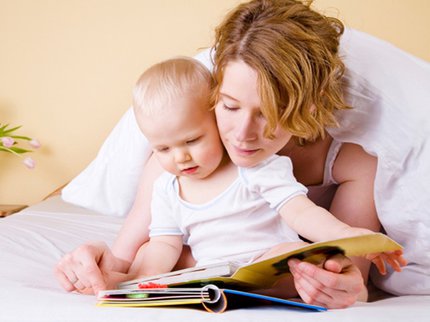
{"type": "Point", "coordinates": [294, 50]}
{"type": "Point", "coordinates": [161, 84]}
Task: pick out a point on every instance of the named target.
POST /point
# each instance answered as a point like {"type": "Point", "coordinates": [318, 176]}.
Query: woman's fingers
{"type": "Point", "coordinates": [79, 270]}
{"type": "Point", "coordinates": [337, 285]}
{"type": "Point", "coordinates": [63, 279]}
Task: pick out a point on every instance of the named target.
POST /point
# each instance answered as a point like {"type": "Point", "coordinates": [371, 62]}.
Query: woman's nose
{"type": "Point", "coordinates": [246, 130]}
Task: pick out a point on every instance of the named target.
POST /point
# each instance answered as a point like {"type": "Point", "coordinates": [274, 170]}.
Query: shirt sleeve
{"type": "Point", "coordinates": [163, 221]}
{"type": "Point", "coordinates": [274, 181]}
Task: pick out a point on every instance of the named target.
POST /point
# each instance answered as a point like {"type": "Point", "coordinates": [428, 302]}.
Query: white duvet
{"type": "Point", "coordinates": [32, 241]}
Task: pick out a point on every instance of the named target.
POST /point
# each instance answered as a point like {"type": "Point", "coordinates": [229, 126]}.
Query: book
{"type": "Point", "coordinates": [212, 298]}
{"type": "Point", "coordinates": [265, 273]}
{"type": "Point", "coordinates": [215, 285]}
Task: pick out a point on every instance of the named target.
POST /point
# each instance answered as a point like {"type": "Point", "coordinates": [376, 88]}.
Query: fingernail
{"type": "Point", "coordinates": [292, 263]}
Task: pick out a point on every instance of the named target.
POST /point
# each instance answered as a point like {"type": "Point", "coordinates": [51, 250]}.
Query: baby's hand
{"type": "Point", "coordinates": [395, 259]}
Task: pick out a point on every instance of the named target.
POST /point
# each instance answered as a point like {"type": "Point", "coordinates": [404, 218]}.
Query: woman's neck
{"type": "Point", "coordinates": [308, 159]}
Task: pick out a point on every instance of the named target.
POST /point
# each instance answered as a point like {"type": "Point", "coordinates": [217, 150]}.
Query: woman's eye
{"type": "Point", "coordinates": [229, 108]}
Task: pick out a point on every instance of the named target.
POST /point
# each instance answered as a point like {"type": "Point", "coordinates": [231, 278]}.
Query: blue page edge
{"type": "Point", "coordinates": [276, 300]}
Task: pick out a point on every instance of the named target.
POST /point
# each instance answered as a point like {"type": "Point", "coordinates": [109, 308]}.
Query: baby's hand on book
{"type": "Point", "coordinates": [395, 259]}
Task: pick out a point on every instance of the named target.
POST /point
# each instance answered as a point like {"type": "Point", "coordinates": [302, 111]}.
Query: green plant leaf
{"type": "Point", "coordinates": [4, 131]}
{"type": "Point", "coordinates": [19, 150]}
{"type": "Point", "coordinates": [19, 137]}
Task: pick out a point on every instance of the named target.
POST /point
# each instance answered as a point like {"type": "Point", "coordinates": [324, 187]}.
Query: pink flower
{"type": "Point", "coordinates": [35, 143]}
{"type": "Point", "coordinates": [29, 163]}
{"type": "Point", "coordinates": [11, 143]}
{"type": "Point", "coordinates": [7, 141]}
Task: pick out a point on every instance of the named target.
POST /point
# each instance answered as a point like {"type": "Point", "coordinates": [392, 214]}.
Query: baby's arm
{"type": "Point", "coordinates": [158, 256]}
{"type": "Point", "coordinates": [314, 222]}
{"type": "Point", "coordinates": [317, 224]}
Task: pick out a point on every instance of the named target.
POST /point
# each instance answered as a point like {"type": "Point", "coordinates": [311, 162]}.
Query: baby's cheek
{"type": "Point", "coordinates": [214, 156]}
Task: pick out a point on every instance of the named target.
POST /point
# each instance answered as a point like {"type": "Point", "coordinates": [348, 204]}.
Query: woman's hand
{"type": "Point", "coordinates": [94, 266]}
{"type": "Point", "coordinates": [338, 284]}
{"type": "Point", "coordinates": [90, 268]}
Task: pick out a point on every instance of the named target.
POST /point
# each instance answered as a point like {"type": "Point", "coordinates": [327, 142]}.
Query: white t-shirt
{"type": "Point", "coordinates": [240, 223]}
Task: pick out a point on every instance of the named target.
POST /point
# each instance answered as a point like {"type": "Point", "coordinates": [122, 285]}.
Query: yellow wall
{"type": "Point", "coordinates": [67, 67]}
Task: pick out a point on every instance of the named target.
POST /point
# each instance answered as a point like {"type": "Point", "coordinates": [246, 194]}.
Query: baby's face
{"type": "Point", "coordinates": [185, 139]}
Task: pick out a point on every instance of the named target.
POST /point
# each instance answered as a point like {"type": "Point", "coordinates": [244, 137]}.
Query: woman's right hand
{"type": "Point", "coordinates": [93, 266]}
{"type": "Point", "coordinates": [90, 268]}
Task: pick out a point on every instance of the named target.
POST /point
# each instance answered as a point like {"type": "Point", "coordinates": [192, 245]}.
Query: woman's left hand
{"type": "Point", "coordinates": [338, 284]}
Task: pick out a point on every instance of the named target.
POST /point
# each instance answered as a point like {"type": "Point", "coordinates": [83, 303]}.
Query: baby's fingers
{"type": "Point", "coordinates": [394, 259]}
{"type": "Point", "coordinates": [379, 263]}
{"type": "Point", "coordinates": [402, 261]}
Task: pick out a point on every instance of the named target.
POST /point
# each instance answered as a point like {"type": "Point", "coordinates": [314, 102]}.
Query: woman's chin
{"type": "Point", "coordinates": [245, 162]}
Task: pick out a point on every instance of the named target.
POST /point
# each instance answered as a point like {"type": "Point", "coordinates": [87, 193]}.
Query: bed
{"type": "Point", "coordinates": [35, 238]}
{"type": "Point", "coordinates": [93, 205]}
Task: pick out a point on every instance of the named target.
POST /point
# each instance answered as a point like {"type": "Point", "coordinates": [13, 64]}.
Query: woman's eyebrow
{"type": "Point", "coordinates": [228, 96]}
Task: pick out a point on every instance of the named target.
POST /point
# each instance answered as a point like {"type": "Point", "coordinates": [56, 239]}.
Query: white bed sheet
{"type": "Point", "coordinates": [32, 241]}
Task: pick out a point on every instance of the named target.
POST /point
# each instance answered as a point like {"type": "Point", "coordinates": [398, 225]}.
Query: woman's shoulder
{"type": "Point", "coordinates": [352, 162]}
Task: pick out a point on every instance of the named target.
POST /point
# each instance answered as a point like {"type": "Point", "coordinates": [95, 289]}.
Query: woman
{"type": "Point", "coordinates": [277, 65]}
{"type": "Point", "coordinates": [265, 81]}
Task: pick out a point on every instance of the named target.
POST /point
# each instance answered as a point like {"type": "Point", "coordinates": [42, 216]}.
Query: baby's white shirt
{"type": "Point", "coordinates": [239, 224]}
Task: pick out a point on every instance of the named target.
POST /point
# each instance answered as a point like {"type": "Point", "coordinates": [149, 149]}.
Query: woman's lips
{"type": "Point", "coordinates": [244, 152]}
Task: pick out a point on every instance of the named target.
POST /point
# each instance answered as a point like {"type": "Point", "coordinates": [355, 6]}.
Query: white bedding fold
{"type": "Point", "coordinates": [32, 241]}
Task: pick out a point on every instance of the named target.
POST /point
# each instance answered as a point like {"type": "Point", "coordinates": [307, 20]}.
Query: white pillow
{"type": "Point", "coordinates": [108, 184]}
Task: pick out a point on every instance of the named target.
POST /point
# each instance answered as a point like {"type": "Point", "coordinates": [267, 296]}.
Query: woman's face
{"type": "Point", "coordinates": [240, 122]}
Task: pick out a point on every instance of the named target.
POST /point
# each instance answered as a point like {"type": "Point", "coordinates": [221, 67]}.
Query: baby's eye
{"type": "Point", "coordinates": [192, 141]}
{"type": "Point", "coordinates": [163, 149]}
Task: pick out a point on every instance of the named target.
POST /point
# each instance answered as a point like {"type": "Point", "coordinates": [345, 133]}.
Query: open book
{"type": "Point", "coordinates": [264, 274]}
{"type": "Point", "coordinates": [228, 277]}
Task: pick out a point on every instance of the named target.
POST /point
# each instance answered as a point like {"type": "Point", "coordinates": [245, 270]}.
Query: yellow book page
{"type": "Point", "coordinates": [169, 302]}
{"type": "Point", "coordinates": [265, 273]}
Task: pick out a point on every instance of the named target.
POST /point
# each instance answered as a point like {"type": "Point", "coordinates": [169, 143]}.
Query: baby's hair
{"type": "Point", "coordinates": [163, 83]}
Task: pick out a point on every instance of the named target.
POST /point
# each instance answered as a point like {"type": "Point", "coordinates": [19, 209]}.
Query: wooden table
{"type": "Point", "coordinates": [6, 210]}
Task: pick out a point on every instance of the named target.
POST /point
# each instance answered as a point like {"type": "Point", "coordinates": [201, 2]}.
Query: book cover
{"type": "Point", "coordinates": [210, 297]}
